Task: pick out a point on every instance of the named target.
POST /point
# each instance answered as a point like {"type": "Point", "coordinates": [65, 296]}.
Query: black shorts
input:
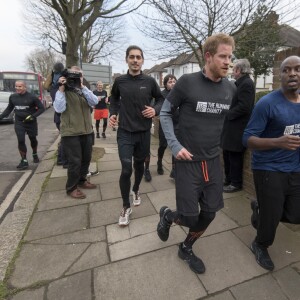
{"type": "Point", "coordinates": [31, 128]}
{"type": "Point", "coordinates": [136, 144]}
{"type": "Point", "coordinates": [199, 183]}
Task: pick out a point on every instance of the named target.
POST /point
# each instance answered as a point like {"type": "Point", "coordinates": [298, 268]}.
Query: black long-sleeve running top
{"type": "Point", "coordinates": [24, 104]}
{"type": "Point", "coordinates": [129, 96]}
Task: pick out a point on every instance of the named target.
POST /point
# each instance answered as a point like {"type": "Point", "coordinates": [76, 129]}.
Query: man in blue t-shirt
{"type": "Point", "coordinates": [273, 134]}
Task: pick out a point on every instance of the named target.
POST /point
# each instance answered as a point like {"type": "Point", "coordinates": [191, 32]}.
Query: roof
{"type": "Point", "coordinates": [181, 59]}
{"type": "Point", "coordinates": [158, 68]}
{"type": "Point", "coordinates": [289, 36]}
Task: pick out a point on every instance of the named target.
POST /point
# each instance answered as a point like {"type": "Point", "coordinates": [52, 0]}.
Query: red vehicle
{"type": "Point", "coordinates": [34, 82]}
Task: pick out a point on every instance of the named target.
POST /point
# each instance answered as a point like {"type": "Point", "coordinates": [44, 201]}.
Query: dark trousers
{"type": "Point", "coordinates": [162, 143]}
{"type": "Point", "coordinates": [31, 128]}
{"type": "Point", "coordinates": [278, 196]}
{"type": "Point", "coordinates": [78, 150]}
{"type": "Point", "coordinates": [136, 145]}
{"type": "Point", "coordinates": [233, 167]}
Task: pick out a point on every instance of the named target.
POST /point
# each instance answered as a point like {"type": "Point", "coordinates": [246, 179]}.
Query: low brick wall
{"type": "Point", "coordinates": [248, 184]}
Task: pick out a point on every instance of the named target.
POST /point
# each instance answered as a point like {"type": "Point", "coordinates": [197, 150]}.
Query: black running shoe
{"type": "Point", "coordinates": [194, 262]}
{"type": "Point", "coordinates": [36, 159]}
{"type": "Point", "coordinates": [262, 256]}
{"type": "Point", "coordinates": [23, 164]}
{"type": "Point", "coordinates": [147, 175]}
{"type": "Point", "coordinates": [103, 135]}
{"type": "Point", "coordinates": [160, 170]}
{"type": "Point", "coordinates": [172, 174]}
{"type": "Point", "coordinates": [163, 226]}
{"type": "Point", "coordinates": [254, 216]}
{"type": "Point", "coordinates": [97, 135]}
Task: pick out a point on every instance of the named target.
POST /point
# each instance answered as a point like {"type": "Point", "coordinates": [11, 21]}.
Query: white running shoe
{"type": "Point", "coordinates": [136, 199]}
{"type": "Point", "coordinates": [124, 216]}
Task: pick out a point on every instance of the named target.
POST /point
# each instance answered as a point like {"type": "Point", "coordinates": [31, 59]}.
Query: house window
{"type": "Point", "coordinates": [173, 71]}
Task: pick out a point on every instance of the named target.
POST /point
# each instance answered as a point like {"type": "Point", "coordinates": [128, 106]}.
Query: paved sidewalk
{"type": "Point", "coordinates": [74, 249]}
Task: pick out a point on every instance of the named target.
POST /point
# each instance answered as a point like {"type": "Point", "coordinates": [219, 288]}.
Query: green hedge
{"type": "Point", "coordinates": [258, 95]}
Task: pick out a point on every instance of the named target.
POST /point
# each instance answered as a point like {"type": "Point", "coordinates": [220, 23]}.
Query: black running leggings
{"type": "Point", "coordinates": [104, 124]}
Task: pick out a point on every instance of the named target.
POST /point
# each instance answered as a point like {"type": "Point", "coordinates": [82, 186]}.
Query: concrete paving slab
{"type": "Point", "coordinates": [285, 249]}
{"type": "Point", "coordinates": [136, 227]}
{"type": "Point", "coordinates": [108, 211]}
{"type": "Point", "coordinates": [109, 157]}
{"type": "Point", "coordinates": [109, 165]}
{"type": "Point", "coordinates": [151, 276]}
{"type": "Point", "coordinates": [58, 221]}
{"type": "Point", "coordinates": [234, 195]}
{"type": "Point", "coordinates": [110, 190]}
{"type": "Point", "coordinates": [111, 149]}
{"type": "Point", "coordinates": [162, 182]}
{"type": "Point", "coordinates": [75, 287]}
{"type": "Point", "coordinates": [145, 187]}
{"type": "Point", "coordinates": [144, 243]}
{"type": "Point", "coordinates": [93, 166]}
{"type": "Point", "coordinates": [296, 266]}
{"type": "Point", "coordinates": [94, 256]}
{"type": "Point", "coordinates": [59, 199]}
{"type": "Point", "coordinates": [238, 209]}
{"type": "Point", "coordinates": [115, 233]}
{"type": "Point", "coordinates": [293, 227]}
{"type": "Point", "coordinates": [11, 232]}
{"type": "Point", "coordinates": [220, 223]}
{"type": "Point", "coordinates": [222, 296]}
{"type": "Point", "coordinates": [107, 177]}
{"type": "Point", "coordinates": [43, 262]}
{"type": "Point", "coordinates": [162, 198]}
{"type": "Point", "coordinates": [37, 294]}
{"type": "Point", "coordinates": [289, 282]}
{"type": "Point", "coordinates": [104, 212]}
{"type": "Point", "coordinates": [82, 236]}
{"type": "Point", "coordinates": [31, 193]}
{"type": "Point", "coordinates": [56, 184]}
{"type": "Point", "coordinates": [259, 288]}
{"type": "Point", "coordinates": [58, 171]}
{"type": "Point", "coordinates": [44, 166]}
{"type": "Point", "coordinates": [50, 155]}
{"type": "Point", "coordinates": [229, 267]}
{"type": "Point", "coordinates": [143, 225]}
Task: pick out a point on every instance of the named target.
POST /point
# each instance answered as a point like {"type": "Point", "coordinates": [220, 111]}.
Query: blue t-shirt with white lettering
{"type": "Point", "coordinates": [272, 117]}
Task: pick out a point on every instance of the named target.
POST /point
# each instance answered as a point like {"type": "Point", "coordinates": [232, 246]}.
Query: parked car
{"type": "Point", "coordinates": [4, 97]}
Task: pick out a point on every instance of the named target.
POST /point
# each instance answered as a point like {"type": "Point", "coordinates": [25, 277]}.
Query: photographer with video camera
{"type": "Point", "coordinates": [74, 101]}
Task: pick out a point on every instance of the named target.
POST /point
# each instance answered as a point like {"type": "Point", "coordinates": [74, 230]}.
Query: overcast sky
{"type": "Point", "coordinates": [13, 49]}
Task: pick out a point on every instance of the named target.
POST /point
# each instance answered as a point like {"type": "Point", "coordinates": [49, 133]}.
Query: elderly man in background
{"type": "Point", "coordinates": [235, 122]}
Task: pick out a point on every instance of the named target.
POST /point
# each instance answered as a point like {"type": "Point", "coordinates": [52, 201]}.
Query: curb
{"type": "Point", "coordinates": [14, 224]}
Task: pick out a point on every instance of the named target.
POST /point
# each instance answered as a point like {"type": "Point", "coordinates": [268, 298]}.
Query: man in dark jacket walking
{"type": "Point", "coordinates": [234, 125]}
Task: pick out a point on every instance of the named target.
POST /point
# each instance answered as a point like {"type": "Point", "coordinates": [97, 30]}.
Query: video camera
{"type": "Point", "coordinates": [73, 78]}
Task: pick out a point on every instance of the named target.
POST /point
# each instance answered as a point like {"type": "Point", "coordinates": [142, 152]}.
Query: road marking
{"type": "Point", "coordinates": [15, 189]}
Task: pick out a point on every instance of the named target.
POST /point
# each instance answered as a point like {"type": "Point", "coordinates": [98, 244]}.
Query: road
{"type": "Point", "coordinates": [10, 157]}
